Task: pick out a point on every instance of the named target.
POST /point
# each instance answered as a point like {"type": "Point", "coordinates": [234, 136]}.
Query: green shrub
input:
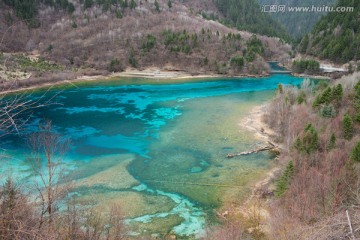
{"type": "Point", "coordinates": [321, 85]}
{"type": "Point", "coordinates": [350, 68]}
{"type": "Point", "coordinates": [250, 56]}
{"type": "Point", "coordinates": [50, 48]}
{"type": "Point", "coordinates": [237, 61]}
{"type": "Point", "coordinates": [308, 141]}
{"type": "Point", "coordinates": [280, 89]}
{"type": "Point", "coordinates": [115, 66]}
{"type": "Point", "coordinates": [132, 59]}
{"type": "Point", "coordinates": [149, 42]}
{"type": "Point", "coordinates": [118, 14]}
{"type": "Point", "coordinates": [328, 111]}
{"type": "Point", "coordinates": [206, 61]}
{"type": "Point", "coordinates": [301, 98]}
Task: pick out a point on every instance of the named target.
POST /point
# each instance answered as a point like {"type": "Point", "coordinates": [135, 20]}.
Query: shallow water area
{"type": "Point", "coordinates": [159, 150]}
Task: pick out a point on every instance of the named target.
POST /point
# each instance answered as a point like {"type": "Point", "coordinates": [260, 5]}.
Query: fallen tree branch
{"type": "Point", "coordinates": [350, 227]}
{"type": "Point", "coordinates": [266, 148]}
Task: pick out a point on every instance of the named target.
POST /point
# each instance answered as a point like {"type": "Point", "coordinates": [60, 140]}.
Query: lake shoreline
{"type": "Point", "coordinates": [254, 123]}
{"type": "Point", "coordinates": [256, 201]}
{"type": "Point", "coordinates": [150, 73]}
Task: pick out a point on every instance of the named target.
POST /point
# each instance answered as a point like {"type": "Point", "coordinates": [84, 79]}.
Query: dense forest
{"type": "Point", "coordinates": [28, 9]}
{"type": "Point", "coordinates": [247, 15]}
{"type": "Point", "coordinates": [297, 24]}
{"type": "Point", "coordinates": [336, 36]}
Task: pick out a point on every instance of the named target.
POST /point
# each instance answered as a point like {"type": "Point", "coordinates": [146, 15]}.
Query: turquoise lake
{"type": "Point", "coordinates": [156, 148]}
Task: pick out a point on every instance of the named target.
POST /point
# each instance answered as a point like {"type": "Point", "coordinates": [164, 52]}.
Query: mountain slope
{"type": "Point", "coordinates": [336, 36]}
{"type": "Point", "coordinates": [247, 15]}
{"type": "Point", "coordinates": [143, 34]}
{"type": "Point", "coordinates": [297, 24]}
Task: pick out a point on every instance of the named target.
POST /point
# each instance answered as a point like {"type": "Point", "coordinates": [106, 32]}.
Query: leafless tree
{"type": "Point", "coordinates": [17, 108]}
{"type": "Point", "coordinates": [48, 149]}
{"type": "Point", "coordinates": [228, 231]}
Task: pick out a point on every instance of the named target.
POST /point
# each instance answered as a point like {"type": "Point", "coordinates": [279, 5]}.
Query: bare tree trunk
{"type": "Point", "coordinates": [49, 145]}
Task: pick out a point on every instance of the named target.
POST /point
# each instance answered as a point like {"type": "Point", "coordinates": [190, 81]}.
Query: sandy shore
{"type": "Point", "coordinates": [255, 124]}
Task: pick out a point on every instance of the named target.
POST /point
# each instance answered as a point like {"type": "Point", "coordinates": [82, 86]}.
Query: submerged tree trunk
{"type": "Point", "coordinates": [269, 147]}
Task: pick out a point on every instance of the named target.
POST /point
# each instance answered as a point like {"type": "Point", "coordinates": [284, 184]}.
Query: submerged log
{"type": "Point", "coordinates": [269, 147]}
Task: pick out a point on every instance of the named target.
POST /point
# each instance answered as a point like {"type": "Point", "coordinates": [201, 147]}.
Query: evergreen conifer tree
{"type": "Point", "coordinates": [284, 181]}
{"type": "Point", "coordinates": [338, 93]}
{"type": "Point", "coordinates": [355, 155]}
{"type": "Point", "coordinates": [157, 6]}
{"type": "Point", "coordinates": [310, 139]}
{"type": "Point", "coordinates": [132, 4]}
{"type": "Point", "coordinates": [332, 142]}
{"type": "Point", "coordinates": [326, 96]}
{"type": "Point", "coordinates": [297, 144]}
{"type": "Point", "coordinates": [316, 102]}
{"type": "Point", "coordinates": [348, 127]}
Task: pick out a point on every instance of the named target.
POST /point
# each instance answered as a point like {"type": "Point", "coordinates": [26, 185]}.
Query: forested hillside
{"type": "Point", "coordinates": [297, 24]}
{"type": "Point", "coordinates": [98, 37]}
{"type": "Point", "coordinates": [247, 15]}
{"type": "Point", "coordinates": [336, 36]}
{"type": "Point", "coordinates": [317, 193]}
